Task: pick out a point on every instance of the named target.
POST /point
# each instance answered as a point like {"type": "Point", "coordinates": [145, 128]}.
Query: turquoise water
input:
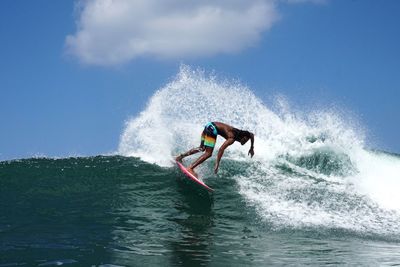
{"type": "Point", "coordinates": [123, 211]}
{"type": "Point", "coordinates": [313, 194]}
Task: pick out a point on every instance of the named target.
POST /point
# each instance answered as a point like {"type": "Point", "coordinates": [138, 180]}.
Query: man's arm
{"type": "Point", "coordinates": [251, 150]}
{"type": "Point", "coordinates": [221, 150]}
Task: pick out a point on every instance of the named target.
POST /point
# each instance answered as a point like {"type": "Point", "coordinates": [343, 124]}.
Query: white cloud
{"type": "Point", "coordinates": [111, 32]}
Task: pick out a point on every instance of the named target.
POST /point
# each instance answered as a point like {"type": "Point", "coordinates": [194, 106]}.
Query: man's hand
{"type": "Point", "coordinates": [251, 151]}
{"type": "Point", "coordinates": [216, 168]}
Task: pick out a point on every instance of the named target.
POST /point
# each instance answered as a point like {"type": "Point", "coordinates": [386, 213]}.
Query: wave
{"type": "Point", "coordinates": [309, 170]}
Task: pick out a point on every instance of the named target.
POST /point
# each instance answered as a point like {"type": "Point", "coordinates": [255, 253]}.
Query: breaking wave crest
{"type": "Point", "coordinates": [308, 170]}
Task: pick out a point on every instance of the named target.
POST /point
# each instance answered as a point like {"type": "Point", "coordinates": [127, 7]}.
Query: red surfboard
{"type": "Point", "coordinates": [192, 177]}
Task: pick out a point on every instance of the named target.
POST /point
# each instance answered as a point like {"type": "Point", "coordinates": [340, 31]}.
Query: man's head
{"type": "Point", "coordinates": [243, 137]}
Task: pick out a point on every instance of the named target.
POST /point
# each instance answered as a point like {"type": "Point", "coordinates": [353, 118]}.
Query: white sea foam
{"type": "Point", "coordinates": [307, 170]}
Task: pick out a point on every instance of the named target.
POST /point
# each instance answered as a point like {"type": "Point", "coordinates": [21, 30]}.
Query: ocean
{"type": "Point", "coordinates": [313, 194]}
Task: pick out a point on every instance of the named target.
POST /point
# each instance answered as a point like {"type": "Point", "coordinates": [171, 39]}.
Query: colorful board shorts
{"type": "Point", "coordinates": [209, 135]}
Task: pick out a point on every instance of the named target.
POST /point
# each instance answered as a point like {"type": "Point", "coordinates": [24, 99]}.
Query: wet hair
{"type": "Point", "coordinates": [240, 134]}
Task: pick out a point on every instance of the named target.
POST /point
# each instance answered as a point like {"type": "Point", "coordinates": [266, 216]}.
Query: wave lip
{"type": "Point", "coordinates": [308, 171]}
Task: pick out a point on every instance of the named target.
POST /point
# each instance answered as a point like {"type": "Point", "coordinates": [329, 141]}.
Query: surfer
{"type": "Point", "coordinates": [208, 139]}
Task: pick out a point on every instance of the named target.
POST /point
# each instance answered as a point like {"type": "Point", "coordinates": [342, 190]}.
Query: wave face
{"type": "Point", "coordinates": [311, 195]}
{"type": "Point", "coordinates": [309, 171]}
{"type": "Point", "coordinates": [122, 211]}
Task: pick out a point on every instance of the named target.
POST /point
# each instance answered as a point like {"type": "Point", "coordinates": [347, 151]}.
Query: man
{"type": "Point", "coordinates": [208, 139]}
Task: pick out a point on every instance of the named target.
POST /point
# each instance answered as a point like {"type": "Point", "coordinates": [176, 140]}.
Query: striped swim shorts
{"type": "Point", "coordinates": [209, 135]}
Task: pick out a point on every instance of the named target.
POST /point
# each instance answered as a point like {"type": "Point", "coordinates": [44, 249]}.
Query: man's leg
{"type": "Point", "coordinates": [190, 152]}
{"type": "Point", "coordinates": [201, 159]}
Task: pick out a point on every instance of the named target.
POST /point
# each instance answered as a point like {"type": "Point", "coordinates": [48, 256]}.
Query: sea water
{"type": "Point", "coordinates": [313, 194]}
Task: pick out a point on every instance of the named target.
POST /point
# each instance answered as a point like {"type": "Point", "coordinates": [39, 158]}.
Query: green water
{"type": "Point", "coordinates": [125, 212]}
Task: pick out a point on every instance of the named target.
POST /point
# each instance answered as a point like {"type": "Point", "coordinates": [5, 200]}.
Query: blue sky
{"type": "Point", "coordinates": [61, 95]}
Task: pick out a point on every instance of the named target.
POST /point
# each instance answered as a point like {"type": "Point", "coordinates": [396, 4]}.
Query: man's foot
{"type": "Point", "coordinates": [192, 172]}
{"type": "Point", "coordinates": [179, 158]}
